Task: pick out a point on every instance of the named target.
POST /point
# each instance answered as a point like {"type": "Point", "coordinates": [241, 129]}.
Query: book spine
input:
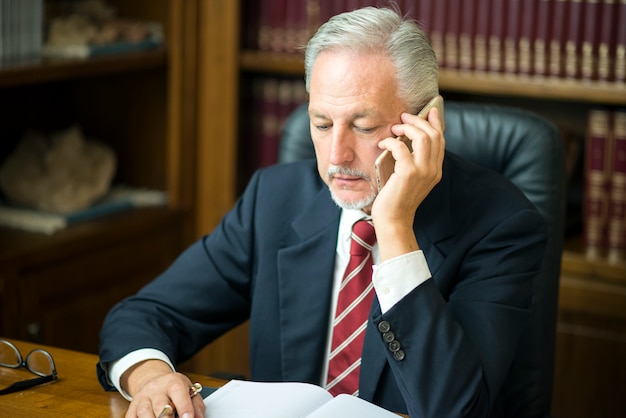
{"type": "Point", "coordinates": [596, 176]}
{"type": "Point", "coordinates": [453, 22]}
{"type": "Point", "coordinates": [313, 18]}
{"type": "Point", "coordinates": [264, 37]}
{"type": "Point", "coordinates": [438, 30]}
{"type": "Point", "coordinates": [590, 38]}
{"type": "Point", "coordinates": [467, 34]}
{"type": "Point", "coordinates": [620, 43]}
{"type": "Point", "coordinates": [526, 36]}
{"type": "Point", "coordinates": [424, 15]}
{"type": "Point", "coordinates": [496, 36]}
{"type": "Point", "coordinates": [617, 211]}
{"type": "Point", "coordinates": [542, 38]}
{"type": "Point", "coordinates": [278, 27]}
{"type": "Point", "coordinates": [573, 40]}
{"type": "Point", "coordinates": [481, 34]}
{"type": "Point", "coordinates": [557, 38]}
{"type": "Point", "coordinates": [270, 121]}
{"type": "Point", "coordinates": [512, 34]}
{"type": "Point", "coordinates": [606, 43]}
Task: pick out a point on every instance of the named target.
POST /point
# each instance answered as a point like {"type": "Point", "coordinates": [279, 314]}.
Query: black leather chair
{"type": "Point", "coordinates": [528, 150]}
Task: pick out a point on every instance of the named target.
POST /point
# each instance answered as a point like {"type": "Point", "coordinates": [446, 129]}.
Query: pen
{"type": "Point", "coordinates": [169, 410]}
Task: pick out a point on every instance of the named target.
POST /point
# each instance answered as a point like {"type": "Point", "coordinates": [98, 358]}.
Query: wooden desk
{"type": "Point", "coordinates": [76, 393]}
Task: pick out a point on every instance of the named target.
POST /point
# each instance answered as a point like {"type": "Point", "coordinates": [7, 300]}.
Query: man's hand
{"type": "Point", "coordinates": [153, 384]}
{"type": "Point", "coordinates": [415, 175]}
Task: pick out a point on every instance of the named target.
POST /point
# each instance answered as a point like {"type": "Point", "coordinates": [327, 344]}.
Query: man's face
{"type": "Point", "coordinates": [353, 103]}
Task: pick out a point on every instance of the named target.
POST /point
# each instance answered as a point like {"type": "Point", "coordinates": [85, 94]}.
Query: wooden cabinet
{"type": "Point", "coordinates": [57, 289]}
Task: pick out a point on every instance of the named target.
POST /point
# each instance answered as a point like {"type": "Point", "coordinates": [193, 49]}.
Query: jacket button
{"type": "Point", "coordinates": [388, 336]}
{"type": "Point", "coordinates": [399, 355]}
{"type": "Point", "coordinates": [394, 346]}
{"type": "Point", "coordinates": [384, 326]}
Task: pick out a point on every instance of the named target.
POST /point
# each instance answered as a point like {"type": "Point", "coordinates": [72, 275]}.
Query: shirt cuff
{"type": "Point", "coordinates": [397, 277]}
{"type": "Point", "coordinates": [117, 368]}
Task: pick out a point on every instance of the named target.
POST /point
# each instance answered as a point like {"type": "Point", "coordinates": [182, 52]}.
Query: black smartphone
{"type": "Point", "coordinates": [385, 163]}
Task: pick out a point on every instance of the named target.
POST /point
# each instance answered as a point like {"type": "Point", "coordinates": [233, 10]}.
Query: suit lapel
{"type": "Point", "coordinates": [306, 265]}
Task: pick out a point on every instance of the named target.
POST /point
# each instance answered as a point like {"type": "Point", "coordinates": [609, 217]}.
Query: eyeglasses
{"type": "Point", "coordinates": [38, 362]}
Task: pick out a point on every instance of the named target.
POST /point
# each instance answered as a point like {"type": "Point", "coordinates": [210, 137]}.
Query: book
{"type": "Point", "coordinates": [542, 38]}
{"type": "Point", "coordinates": [557, 38]}
{"type": "Point", "coordinates": [606, 43]}
{"type": "Point", "coordinates": [590, 40]}
{"type": "Point", "coordinates": [247, 399]}
{"type": "Point", "coordinates": [619, 62]}
{"type": "Point", "coordinates": [528, 20]}
{"type": "Point", "coordinates": [512, 36]}
{"type": "Point", "coordinates": [597, 175]}
{"type": "Point", "coordinates": [573, 39]}
{"type": "Point", "coordinates": [616, 229]}
{"type": "Point", "coordinates": [496, 36]}
{"type": "Point", "coordinates": [481, 35]}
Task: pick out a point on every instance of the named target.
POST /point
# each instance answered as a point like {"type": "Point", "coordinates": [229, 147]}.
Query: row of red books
{"type": "Point", "coordinates": [605, 185]}
{"type": "Point", "coordinates": [268, 101]}
{"type": "Point", "coordinates": [579, 39]}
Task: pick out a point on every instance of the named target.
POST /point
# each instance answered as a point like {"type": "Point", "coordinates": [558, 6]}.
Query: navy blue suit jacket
{"type": "Point", "coordinates": [271, 260]}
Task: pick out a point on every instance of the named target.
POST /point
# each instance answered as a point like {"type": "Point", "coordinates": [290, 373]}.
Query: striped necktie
{"type": "Point", "coordinates": [353, 306]}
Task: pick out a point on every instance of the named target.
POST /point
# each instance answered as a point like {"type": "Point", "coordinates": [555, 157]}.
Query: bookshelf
{"type": "Point", "coordinates": [591, 334]}
{"type": "Point", "coordinates": [56, 289]}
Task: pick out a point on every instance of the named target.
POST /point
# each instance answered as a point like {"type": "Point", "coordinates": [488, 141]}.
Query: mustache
{"type": "Point", "coordinates": [333, 170]}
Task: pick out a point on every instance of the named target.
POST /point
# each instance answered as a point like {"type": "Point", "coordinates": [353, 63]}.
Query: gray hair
{"type": "Point", "coordinates": [385, 30]}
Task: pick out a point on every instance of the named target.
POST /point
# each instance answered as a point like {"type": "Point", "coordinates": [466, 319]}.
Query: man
{"type": "Point", "coordinates": [456, 250]}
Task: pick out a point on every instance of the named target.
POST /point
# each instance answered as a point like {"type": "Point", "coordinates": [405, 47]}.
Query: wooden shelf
{"type": "Point", "coordinates": [468, 82]}
{"type": "Point", "coordinates": [22, 247]}
{"type": "Point", "coordinates": [577, 264]}
{"type": "Point", "coordinates": [49, 70]}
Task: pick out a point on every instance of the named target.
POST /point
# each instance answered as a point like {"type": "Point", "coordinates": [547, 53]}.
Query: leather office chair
{"type": "Point", "coordinates": [528, 150]}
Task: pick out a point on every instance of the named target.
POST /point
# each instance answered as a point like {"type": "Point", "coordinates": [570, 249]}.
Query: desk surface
{"type": "Point", "coordinates": [76, 393]}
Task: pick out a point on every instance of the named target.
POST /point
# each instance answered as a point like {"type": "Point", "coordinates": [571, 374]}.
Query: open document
{"type": "Point", "coordinates": [244, 399]}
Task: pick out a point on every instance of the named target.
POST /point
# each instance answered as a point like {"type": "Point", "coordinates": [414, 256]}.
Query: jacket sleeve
{"type": "Point", "coordinates": [454, 336]}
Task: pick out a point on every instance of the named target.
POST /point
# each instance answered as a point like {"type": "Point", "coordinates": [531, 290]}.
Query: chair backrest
{"type": "Point", "coordinates": [527, 149]}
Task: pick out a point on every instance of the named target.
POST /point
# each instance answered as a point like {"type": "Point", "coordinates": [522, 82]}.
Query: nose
{"type": "Point", "coordinates": [342, 146]}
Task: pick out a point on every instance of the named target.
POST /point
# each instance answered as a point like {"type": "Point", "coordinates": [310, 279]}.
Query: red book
{"type": "Point", "coordinates": [270, 122]}
{"type": "Point", "coordinates": [606, 42]}
{"type": "Point", "coordinates": [451, 41]}
{"type": "Point", "coordinates": [496, 35]}
{"type": "Point", "coordinates": [620, 43]}
{"type": "Point", "coordinates": [423, 14]}
{"type": "Point", "coordinates": [526, 36]}
{"type": "Point", "coordinates": [438, 29]}
{"type": "Point", "coordinates": [542, 37]}
{"type": "Point", "coordinates": [573, 39]}
{"type": "Point", "coordinates": [557, 38]}
{"type": "Point", "coordinates": [313, 17]}
{"type": "Point", "coordinates": [481, 34]}
{"type": "Point", "coordinates": [597, 175]}
{"type": "Point", "coordinates": [512, 36]}
{"type": "Point", "coordinates": [617, 200]}
{"type": "Point", "coordinates": [466, 34]}
{"type": "Point", "coordinates": [265, 25]}
{"type": "Point", "coordinates": [295, 25]}
{"type": "Point", "coordinates": [590, 40]}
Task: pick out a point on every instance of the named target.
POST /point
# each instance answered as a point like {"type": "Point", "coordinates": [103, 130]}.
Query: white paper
{"type": "Point", "coordinates": [245, 399]}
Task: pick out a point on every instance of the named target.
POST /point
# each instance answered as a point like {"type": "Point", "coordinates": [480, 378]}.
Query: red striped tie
{"type": "Point", "coordinates": [353, 307]}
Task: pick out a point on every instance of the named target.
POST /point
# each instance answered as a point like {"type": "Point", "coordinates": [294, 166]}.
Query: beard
{"type": "Point", "coordinates": [358, 204]}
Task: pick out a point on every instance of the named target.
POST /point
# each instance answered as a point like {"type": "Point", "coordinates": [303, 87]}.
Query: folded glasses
{"type": "Point", "coordinates": [38, 362]}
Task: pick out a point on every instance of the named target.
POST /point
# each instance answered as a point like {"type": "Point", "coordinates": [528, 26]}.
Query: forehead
{"type": "Point", "coordinates": [358, 82]}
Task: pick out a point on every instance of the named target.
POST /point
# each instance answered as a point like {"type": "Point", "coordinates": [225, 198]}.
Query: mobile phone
{"type": "Point", "coordinates": [385, 163]}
